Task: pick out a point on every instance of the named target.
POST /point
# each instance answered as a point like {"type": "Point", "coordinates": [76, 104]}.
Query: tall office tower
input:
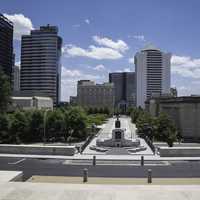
{"type": "Point", "coordinates": [16, 78]}
{"type": "Point", "coordinates": [152, 74]}
{"type": "Point", "coordinates": [125, 88]}
{"type": "Point", "coordinates": [40, 63]}
{"type": "Point", "coordinates": [6, 45]}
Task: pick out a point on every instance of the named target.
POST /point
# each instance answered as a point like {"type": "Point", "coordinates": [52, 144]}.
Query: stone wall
{"type": "Point", "coordinates": [179, 151]}
{"type": "Point", "coordinates": [38, 150]}
{"type": "Point", "coordinates": [184, 111]}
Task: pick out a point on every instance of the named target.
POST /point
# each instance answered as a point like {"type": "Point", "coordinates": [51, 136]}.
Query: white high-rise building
{"type": "Point", "coordinates": [152, 73]}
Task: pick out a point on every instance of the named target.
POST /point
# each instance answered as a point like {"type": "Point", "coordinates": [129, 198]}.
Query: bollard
{"type": "Point", "coordinates": [94, 160]}
{"type": "Point", "coordinates": [85, 175]}
{"type": "Point", "coordinates": [142, 160]}
{"type": "Point", "coordinates": [149, 178]}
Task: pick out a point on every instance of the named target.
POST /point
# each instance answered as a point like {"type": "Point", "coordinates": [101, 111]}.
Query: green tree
{"type": "Point", "coordinates": [36, 126]}
{"type": "Point", "coordinates": [101, 110]}
{"type": "Point", "coordinates": [144, 120]}
{"type": "Point", "coordinates": [4, 128]}
{"type": "Point", "coordinates": [106, 111]}
{"type": "Point", "coordinates": [54, 124]}
{"type": "Point", "coordinates": [19, 127]}
{"type": "Point", "coordinates": [5, 92]}
{"type": "Point", "coordinates": [166, 130]}
{"type": "Point", "coordinates": [95, 110]}
{"type": "Point", "coordinates": [135, 113]}
{"type": "Point", "coordinates": [77, 123]}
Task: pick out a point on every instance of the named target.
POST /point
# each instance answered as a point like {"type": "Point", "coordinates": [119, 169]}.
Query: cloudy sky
{"type": "Point", "coordinates": [102, 36]}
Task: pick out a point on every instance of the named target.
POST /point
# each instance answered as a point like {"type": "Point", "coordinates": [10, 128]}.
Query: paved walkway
{"type": "Point", "coordinates": [50, 191]}
{"type": "Point", "coordinates": [128, 188]}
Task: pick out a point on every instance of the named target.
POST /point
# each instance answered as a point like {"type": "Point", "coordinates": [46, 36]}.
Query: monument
{"type": "Point", "coordinates": [119, 139]}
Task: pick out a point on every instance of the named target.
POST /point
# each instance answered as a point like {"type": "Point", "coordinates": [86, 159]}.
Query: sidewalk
{"type": "Point", "coordinates": [105, 157]}
{"type": "Point", "coordinates": [51, 191]}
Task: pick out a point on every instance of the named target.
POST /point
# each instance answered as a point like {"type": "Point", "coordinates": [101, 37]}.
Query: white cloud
{"type": "Point", "coordinates": [131, 60]}
{"type": "Point", "coordinates": [139, 37]}
{"type": "Point", "coordinates": [17, 63]}
{"type": "Point", "coordinates": [22, 25]}
{"type": "Point", "coordinates": [127, 69]}
{"type": "Point", "coordinates": [87, 21]}
{"type": "Point", "coordinates": [120, 45]}
{"type": "Point", "coordinates": [95, 52]}
{"type": "Point", "coordinates": [69, 80]}
{"type": "Point", "coordinates": [99, 68]}
{"type": "Point", "coordinates": [185, 66]}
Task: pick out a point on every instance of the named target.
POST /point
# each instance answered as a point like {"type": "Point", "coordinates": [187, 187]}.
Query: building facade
{"type": "Point", "coordinates": [6, 45]}
{"type": "Point", "coordinates": [152, 74]}
{"type": "Point", "coordinates": [91, 95]}
{"type": "Point", "coordinates": [40, 62]}
{"type": "Point", "coordinates": [16, 78]}
{"type": "Point", "coordinates": [184, 111]}
{"type": "Point", "coordinates": [125, 89]}
{"type": "Point", "coordinates": [34, 102]}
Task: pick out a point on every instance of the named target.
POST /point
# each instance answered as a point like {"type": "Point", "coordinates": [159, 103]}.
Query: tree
{"type": "Point", "coordinates": [166, 130]}
{"type": "Point", "coordinates": [95, 110]}
{"type": "Point", "coordinates": [145, 124]}
{"type": "Point", "coordinates": [19, 127]}
{"type": "Point", "coordinates": [77, 123]}
{"type": "Point", "coordinates": [106, 111]}
{"type": "Point", "coordinates": [4, 128]}
{"type": "Point", "coordinates": [5, 91]}
{"type": "Point", "coordinates": [135, 113]}
{"type": "Point", "coordinates": [36, 126]}
{"type": "Point", "coordinates": [54, 124]}
{"type": "Point", "coordinates": [101, 110]}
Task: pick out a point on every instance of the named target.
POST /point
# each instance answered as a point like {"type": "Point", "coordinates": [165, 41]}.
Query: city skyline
{"type": "Point", "coordinates": [96, 44]}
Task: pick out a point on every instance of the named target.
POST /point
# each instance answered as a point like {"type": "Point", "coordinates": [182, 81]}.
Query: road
{"type": "Point", "coordinates": [57, 167]}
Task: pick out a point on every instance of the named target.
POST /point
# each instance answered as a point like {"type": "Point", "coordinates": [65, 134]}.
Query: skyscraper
{"type": "Point", "coordinates": [124, 83]}
{"type": "Point", "coordinates": [40, 62]}
{"type": "Point", "coordinates": [152, 73]}
{"type": "Point", "coordinates": [16, 78]}
{"type": "Point", "coordinates": [6, 45]}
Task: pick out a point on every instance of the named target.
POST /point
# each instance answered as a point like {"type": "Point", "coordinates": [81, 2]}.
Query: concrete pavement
{"type": "Point", "coordinates": [50, 191]}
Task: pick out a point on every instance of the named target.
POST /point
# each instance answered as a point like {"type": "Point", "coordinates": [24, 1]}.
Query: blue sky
{"type": "Point", "coordinates": [102, 36]}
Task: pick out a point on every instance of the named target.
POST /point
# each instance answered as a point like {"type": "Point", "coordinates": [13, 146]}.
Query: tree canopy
{"type": "Point", "coordinates": [5, 91]}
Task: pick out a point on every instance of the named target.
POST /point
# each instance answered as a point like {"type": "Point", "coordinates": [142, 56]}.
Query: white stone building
{"type": "Point", "coordinates": [34, 102]}
{"type": "Point", "coordinates": [152, 74]}
{"type": "Point", "coordinates": [91, 95]}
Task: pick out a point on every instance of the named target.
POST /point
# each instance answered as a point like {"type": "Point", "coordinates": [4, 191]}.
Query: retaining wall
{"type": "Point", "coordinates": [38, 150]}
{"type": "Point", "coordinates": [179, 151]}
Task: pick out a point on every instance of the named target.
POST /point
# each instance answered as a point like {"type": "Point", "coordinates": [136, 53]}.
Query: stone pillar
{"type": "Point", "coordinates": [149, 178]}
{"type": "Point", "coordinates": [85, 175]}
{"type": "Point", "coordinates": [94, 160]}
{"type": "Point", "coordinates": [142, 160]}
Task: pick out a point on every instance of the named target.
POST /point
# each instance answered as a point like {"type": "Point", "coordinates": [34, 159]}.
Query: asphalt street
{"type": "Point", "coordinates": [57, 167]}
